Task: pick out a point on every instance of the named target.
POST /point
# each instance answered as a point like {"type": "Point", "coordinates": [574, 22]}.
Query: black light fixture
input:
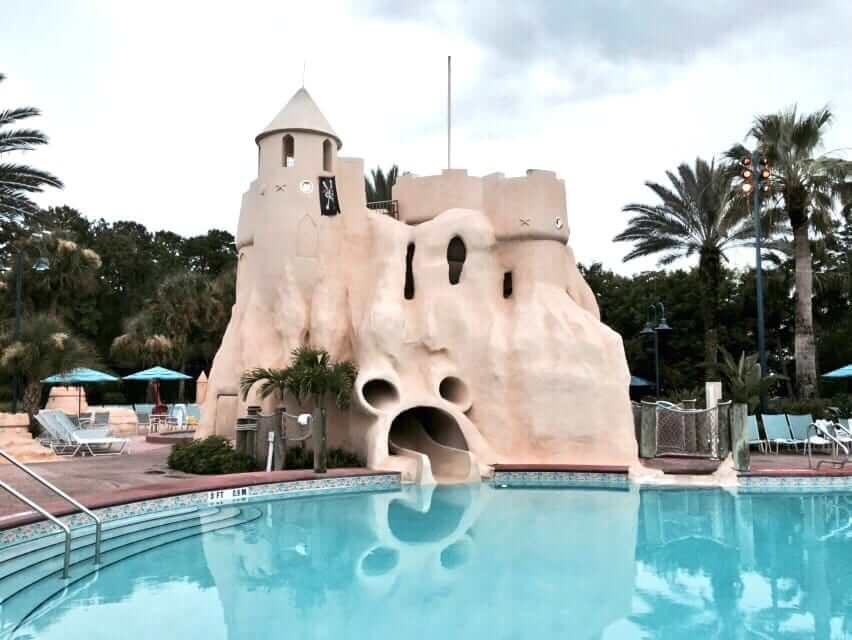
{"type": "Point", "coordinates": [652, 327]}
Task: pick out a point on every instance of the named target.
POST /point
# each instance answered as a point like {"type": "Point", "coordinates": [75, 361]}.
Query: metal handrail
{"type": "Point", "coordinates": [821, 432]}
{"type": "Point", "coordinates": [49, 516]}
{"type": "Point", "coordinates": [62, 494]}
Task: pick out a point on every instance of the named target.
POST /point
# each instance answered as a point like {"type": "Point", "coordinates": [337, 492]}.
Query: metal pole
{"type": "Point", "coordinates": [761, 337]}
{"type": "Point", "coordinates": [19, 284]}
{"type": "Point", "coordinates": [449, 107]}
{"type": "Point", "coordinates": [657, 358]}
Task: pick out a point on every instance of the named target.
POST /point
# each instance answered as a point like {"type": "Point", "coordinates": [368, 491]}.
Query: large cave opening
{"type": "Point", "coordinates": [436, 434]}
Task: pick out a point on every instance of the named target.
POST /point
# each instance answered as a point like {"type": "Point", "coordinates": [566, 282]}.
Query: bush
{"type": "Point", "coordinates": [213, 455]}
{"type": "Point", "coordinates": [303, 458]}
{"type": "Point", "coordinates": [817, 407]}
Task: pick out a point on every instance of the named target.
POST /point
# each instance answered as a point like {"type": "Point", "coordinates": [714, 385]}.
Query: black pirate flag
{"type": "Point", "coordinates": [329, 205]}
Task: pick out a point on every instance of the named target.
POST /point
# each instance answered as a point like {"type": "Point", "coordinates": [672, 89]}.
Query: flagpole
{"type": "Point", "coordinates": [449, 108]}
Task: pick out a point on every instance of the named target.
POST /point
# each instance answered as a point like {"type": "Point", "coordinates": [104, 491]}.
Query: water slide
{"type": "Point", "coordinates": [436, 462]}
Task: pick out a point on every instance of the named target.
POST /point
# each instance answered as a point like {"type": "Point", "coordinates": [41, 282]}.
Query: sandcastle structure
{"type": "Point", "coordinates": [476, 338]}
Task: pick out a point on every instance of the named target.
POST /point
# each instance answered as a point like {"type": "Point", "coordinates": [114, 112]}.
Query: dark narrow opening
{"type": "Point", "coordinates": [409, 272]}
{"type": "Point", "coordinates": [507, 284]}
{"type": "Point", "coordinates": [456, 254]}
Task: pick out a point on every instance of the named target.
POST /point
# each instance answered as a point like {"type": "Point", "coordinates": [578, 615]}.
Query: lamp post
{"type": "Point", "coordinates": [654, 327]}
{"type": "Point", "coordinates": [756, 174]}
{"type": "Point", "coordinates": [41, 264]}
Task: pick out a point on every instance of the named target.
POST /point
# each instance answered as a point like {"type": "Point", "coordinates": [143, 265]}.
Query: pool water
{"type": "Point", "coordinates": [473, 562]}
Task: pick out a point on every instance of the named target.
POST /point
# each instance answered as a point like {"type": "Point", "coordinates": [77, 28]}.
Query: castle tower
{"type": "Point", "coordinates": [282, 216]}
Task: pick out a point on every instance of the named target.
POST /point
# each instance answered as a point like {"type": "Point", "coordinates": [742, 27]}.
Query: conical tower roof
{"type": "Point", "coordinates": [301, 113]}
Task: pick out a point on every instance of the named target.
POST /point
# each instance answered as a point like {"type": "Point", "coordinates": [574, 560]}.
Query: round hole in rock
{"type": "Point", "coordinates": [380, 561]}
{"type": "Point", "coordinates": [454, 390]}
{"type": "Point", "coordinates": [380, 393]}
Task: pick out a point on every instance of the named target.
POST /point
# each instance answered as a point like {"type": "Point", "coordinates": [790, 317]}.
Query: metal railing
{"type": "Point", "coordinates": [53, 519]}
{"type": "Point", "coordinates": [390, 207]}
{"type": "Point", "coordinates": [838, 445]}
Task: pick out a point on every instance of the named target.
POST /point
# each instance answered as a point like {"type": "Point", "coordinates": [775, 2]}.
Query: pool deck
{"type": "Point", "coordinates": [762, 465]}
{"type": "Point", "coordinates": [112, 480]}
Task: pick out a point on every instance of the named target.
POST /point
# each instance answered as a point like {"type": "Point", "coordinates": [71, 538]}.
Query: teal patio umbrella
{"type": "Point", "coordinates": [78, 377]}
{"type": "Point", "coordinates": [636, 381]}
{"type": "Point", "coordinates": [155, 375]}
{"type": "Point", "coordinates": [842, 372]}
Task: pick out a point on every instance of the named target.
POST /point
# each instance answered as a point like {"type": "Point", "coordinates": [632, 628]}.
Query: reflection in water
{"type": "Point", "coordinates": [472, 562]}
{"type": "Point", "coordinates": [756, 565]}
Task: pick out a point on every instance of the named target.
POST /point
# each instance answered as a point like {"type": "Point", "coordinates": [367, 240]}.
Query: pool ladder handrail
{"type": "Point", "coordinates": [823, 433]}
{"type": "Point", "coordinates": [65, 528]}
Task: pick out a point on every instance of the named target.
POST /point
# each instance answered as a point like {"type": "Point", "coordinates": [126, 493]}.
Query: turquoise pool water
{"type": "Point", "coordinates": [477, 562]}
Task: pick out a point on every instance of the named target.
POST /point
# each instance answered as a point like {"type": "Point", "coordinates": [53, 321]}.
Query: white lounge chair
{"type": "Point", "coordinates": [91, 441]}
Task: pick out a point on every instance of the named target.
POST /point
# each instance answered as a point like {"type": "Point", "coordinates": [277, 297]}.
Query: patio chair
{"type": "Point", "coordinates": [101, 419]}
{"type": "Point", "coordinates": [800, 425]}
{"type": "Point", "coordinates": [777, 430]}
{"type": "Point", "coordinates": [53, 436]}
{"type": "Point", "coordinates": [143, 421]}
{"type": "Point", "coordinates": [91, 441]}
{"type": "Point", "coordinates": [753, 434]}
{"type": "Point", "coordinates": [67, 422]}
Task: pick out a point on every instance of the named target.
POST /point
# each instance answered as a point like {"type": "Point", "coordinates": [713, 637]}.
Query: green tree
{"type": "Point", "coordinates": [182, 321]}
{"type": "Point", "coordinates": [311, 376]}
{"type": "Point", "coordinates": [19, 181]}
{"type": "Point", "coordinates": [804, 190]}
{"type": "Point", "coordinates": [45, 347]}
{"type": "Point", "coordinates": [379, 185]}
{"type": "Point", "coordinates": [699, 215]}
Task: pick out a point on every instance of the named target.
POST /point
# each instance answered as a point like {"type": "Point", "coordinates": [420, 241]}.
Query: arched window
{"type": "Point", "coordinates": [408, 290]}
{"type": "Point", "coordinates": [456, 254]}
{"type": "Point", "coordinates": [289, 151]}
{"type": "Point", "coordinates": [326, 155]}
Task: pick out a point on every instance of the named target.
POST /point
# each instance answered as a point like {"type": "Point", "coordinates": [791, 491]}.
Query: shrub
{"type": "Point", "coordinates": [817, 407]}
{"type": "Point", "coordinates": [303, 458]}
{"type": "Point", "coordinates": [213, 455]}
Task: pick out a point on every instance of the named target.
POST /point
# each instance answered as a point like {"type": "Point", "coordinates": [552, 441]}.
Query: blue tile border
{"type": "Point", "coordinates": [297, 488]}
{"type": "Point", "coordinates": [787, 483]}
{"type": "Point", "coordinates": [580, 479]}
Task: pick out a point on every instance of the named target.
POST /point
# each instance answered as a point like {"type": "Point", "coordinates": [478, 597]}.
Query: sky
{"type": "Point", "coordinates": [152, 107]}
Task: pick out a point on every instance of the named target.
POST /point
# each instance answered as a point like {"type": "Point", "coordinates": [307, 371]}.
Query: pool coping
{"type": "Point", "coordinates": [195, 485]}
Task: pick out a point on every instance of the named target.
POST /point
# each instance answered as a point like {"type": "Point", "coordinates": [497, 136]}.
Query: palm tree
{"type": "Point", "coordinates": [44, 347]}
{"type": "Point", "coordinates": [805, 187]}
{"type": "Point", "coordinates": [311, 375]}
{"type": "Point", "coordinates": [380, 187]}
{"type": "Point", "coordinates": [700, 215]}
{"type": "Point", "coordinates": [19, 181]}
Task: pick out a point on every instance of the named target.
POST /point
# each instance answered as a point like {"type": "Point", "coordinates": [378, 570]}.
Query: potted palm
{"type": "Point", "coordinates": [746, 386]}
{"type": "Point", "coordinates": [313, 377]}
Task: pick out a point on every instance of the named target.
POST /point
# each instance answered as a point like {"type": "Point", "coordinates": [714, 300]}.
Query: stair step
{"type": "Point", "coordinates": [11, 551]}
{"type": "Point", "coordinates": [85, 536]}
{"type": "Point", "coordinates": [26, 596]}
{"type": "Point", "coordinates": [52, 564]}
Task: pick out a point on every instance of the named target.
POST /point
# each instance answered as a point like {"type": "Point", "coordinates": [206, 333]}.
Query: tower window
{"type": "Point", "coordinates": [507, 284]}
{"type": "Point", "coordinates": [326, 155]}
{"type": "Point", "coordinates": [456, 254]}
{"type": "Point", "coordinates": [289, 151]}
{"type": "Point", "coordinates": [409, 272]}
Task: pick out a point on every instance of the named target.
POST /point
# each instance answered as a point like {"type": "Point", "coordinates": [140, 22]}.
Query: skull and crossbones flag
{"type": "Point", "coordinates": [329, 205]}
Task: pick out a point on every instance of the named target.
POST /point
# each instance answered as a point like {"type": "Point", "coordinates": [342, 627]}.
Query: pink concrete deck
{"type": "Point", "coordinates": [107, 481]}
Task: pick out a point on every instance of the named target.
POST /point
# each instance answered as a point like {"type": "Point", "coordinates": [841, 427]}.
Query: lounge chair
{"type": "Point", "coordinates": [91, 441]}
{"type": "Point", "coordinates": [143, 421]}
{"type": "Point", "coordinates": [753, 433]}
{"type": "Point", "coordinates": [777, 430]}
{"type": "Point", "coordinates": [54, 437]}
{"type": "Point", "coordinates": [800, 427]}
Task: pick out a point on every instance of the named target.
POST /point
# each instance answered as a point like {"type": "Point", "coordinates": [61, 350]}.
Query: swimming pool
{"type": "Point", "coordinates": [466, 561]}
